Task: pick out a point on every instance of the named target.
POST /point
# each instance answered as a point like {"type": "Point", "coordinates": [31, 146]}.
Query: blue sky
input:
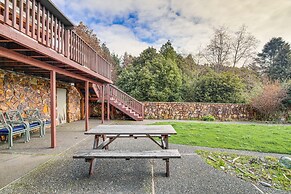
{"type": "Point", "coordinates": [133, 25]}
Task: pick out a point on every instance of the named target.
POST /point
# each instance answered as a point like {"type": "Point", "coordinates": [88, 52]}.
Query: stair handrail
{"type": "Point", "coordinates": [128, 100]}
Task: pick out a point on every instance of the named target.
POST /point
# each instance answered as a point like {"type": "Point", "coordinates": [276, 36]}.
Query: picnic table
{"type": "Point", "coordinates": [104, 135]}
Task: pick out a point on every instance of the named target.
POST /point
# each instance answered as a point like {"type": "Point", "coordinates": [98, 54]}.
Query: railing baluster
{"type": "Point", "coordinates": [33, 20]}
{"type": "Point", "coordinates": [6, 12]}
{"type": "Point", "coordinates": [14, 2]}
{"type": "Point", "coordinates": [38, 21]}
{"type": "Point", "coordinates": [48, 29]}
{"type": "Point", "coordinates": [63, 39]}
{"type": "Point", "coordinates": [43, 25]}
{"type": "Point", "coordinates": [59, 37]}
{"type": "Point", "coordinates": [55, 33]}
{"type": "Point", "coordinates": [27, 17]}
{"type": "Point", "coordinates": [52, 31]}
{"type": "Point", "coordinates": [21, 15]}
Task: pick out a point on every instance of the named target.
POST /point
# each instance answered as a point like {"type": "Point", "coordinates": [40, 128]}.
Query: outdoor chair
{"type": "Point", "coordinates": [14, 118]}
{"type": "Point", "coordinates": [34, 118]}
{"type": "Point", "coordinates": [11, 130]}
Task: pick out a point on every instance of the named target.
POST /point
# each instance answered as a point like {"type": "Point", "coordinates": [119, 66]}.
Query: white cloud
{"type": "Point", "coordinates": [187, 23]}
{"type": "Point", "coordinates": [120, 39]}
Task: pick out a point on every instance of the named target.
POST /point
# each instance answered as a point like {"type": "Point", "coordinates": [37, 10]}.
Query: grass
{"type": "Point", "coordinates": [253, 137]}
{"type": "Point", "coordinates": [249, 168]}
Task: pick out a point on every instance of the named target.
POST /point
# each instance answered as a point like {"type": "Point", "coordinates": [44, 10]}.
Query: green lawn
{"type": "Point", "coordinates": [254, 137]}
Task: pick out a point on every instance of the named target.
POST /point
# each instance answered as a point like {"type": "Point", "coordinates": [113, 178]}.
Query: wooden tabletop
{"type": "Point", "coordinates": [132, 130]}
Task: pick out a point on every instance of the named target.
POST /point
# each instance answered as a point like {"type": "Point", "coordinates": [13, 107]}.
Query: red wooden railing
{"type": "Point", "coordinates": [33, 19]}
{"type": "Point", "coordinates": [127, 100]}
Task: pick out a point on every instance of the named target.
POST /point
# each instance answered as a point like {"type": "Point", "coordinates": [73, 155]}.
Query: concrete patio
{"type": "Point", "coordinates": [35, 168]}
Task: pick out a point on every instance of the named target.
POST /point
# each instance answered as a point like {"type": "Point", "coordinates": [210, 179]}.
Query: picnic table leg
{"type": "Point", "coordinates": [164, 140]}
{"type": "Point", "coordinates": [92, 164]}
{"type": "Point", "coordinates": [167, 167]}
{"type": "Point", "coordinates": [96, 141]}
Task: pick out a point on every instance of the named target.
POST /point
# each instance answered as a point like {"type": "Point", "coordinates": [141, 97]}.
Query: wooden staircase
{"type": "Point", "coordinates": [121, 100]}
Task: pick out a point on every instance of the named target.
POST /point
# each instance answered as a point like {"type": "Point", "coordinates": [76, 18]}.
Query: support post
{"type": "Point", "coordinates": [108, 102]}
{"type": "Point", "coordinates": [53, 108]}
{"type": "Point", "coordinates": [86, 106]}
{"type": "Point", "coordinates": [102, 105]}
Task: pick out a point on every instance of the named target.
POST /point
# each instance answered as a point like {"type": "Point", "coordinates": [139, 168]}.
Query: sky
{"type": "Point", "coordinates": [133, 25]}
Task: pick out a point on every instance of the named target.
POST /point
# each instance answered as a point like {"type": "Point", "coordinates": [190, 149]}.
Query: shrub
{"type": "Point", "coordinates": [219, 88]}
{"type": "Point", "coordinates": [269, 101]}
{"type": "Point", "coordinates": [208, 118]}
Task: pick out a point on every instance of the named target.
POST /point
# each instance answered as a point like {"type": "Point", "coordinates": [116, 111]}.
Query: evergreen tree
{"type": "Point", "coordinates": [275, 59]}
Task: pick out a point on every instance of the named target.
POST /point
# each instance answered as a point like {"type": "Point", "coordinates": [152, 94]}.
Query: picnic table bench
{"type": "Point", "coordinates": [165, 154]}
{"type": "Point", "coordinates": [109, 133]}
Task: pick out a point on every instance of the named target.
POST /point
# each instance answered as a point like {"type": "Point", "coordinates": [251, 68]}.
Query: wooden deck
{"type": "Point", "coordinates": [39, 31]}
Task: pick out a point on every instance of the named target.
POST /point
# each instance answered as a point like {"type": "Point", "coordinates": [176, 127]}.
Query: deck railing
{"type": "Point", "coordinates": [129, 101]}
{"type": "Point", "coordinates": [33, 19]}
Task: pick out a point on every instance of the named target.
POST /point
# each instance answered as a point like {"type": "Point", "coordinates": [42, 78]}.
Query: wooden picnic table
{"type": "Point", "coordinates": [106, 134]}
{"type": "Point", "coordinates": [136, 131]}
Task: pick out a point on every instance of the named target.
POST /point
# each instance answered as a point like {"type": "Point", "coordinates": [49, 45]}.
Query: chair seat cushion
{"type": "Point", "coordinates": [4, 131]}
{"type": "Point", "coordinates": [34, 124]}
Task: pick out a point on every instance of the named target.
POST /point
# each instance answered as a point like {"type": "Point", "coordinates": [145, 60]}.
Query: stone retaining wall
{"type": "Point", "coordinates": [188, 111]}
{"type": "Point", "coordinates": [22, 92]}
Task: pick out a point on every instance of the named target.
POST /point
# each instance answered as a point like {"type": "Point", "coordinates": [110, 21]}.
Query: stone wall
{"type": "Point", "coordinates": [188, 111]}
{"type": "Point", "coordinates": [22, 92]}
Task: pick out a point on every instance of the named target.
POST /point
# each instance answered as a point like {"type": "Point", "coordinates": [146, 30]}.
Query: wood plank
{"type": "Point", "coordinates": [134, 136]}
{"type": "Point", "coordinates": [52, 31]}
{"type": "Point", "coordinates": [43, 26]}
{"type": "Point", "coordinates": [47, 29]}
{"type": "Point", "coordinates": [21, 15]}
{"type": "Point", "coordinates": [14, 3]}
{"type": "Point", "coordinates": [132, 130]}
{"type": "Point", "coordinates": [6, 12]}
{"type": "Point", "coordinates": [38, 21]}
{"type": "Point", "coordinates": [118, 154]}
{"type": "Point", "coordinates": [27, 17]}
{"type": "Point", "coordinates": [33, 20]}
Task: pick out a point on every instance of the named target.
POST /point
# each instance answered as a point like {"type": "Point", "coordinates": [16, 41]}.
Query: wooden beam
{"type": "Point", "coordinates": [27, 60]}
{"type": "Point", "coordinates": [39, 56]}
{"type": "Point", "coordinates": [102, 106]}
{"type": "Point", "coordinates": [53, 108]}
{"type": "Point", "coordinates": [86, 106]}
{"type": "Point", "coordinates": [108, 102]}
{"type": "Point", "coordinates": [21, 49]}
{"type": "Point", "coordinates": [5, 41]}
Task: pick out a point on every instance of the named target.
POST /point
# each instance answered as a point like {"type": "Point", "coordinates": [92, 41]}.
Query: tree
{"type": "Point", "coordinates": [127, 59]}
{"type": "Point", "coordinates": [243, 46]}
{"type": "Point", "coordinates": [217, 52]}
{"type": "Point", "coordinates": [151, 77]}
{"type": "Point", "coordinates": [89, 37]}
{"type": "Point", "coordinates": [227, 48]}
{"type": "Point", "coordinates": [218, 88]}
{"type": "Point", "coordinates": [168, 51]}
{"type": "Point", "coordinates": [275, 59]}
